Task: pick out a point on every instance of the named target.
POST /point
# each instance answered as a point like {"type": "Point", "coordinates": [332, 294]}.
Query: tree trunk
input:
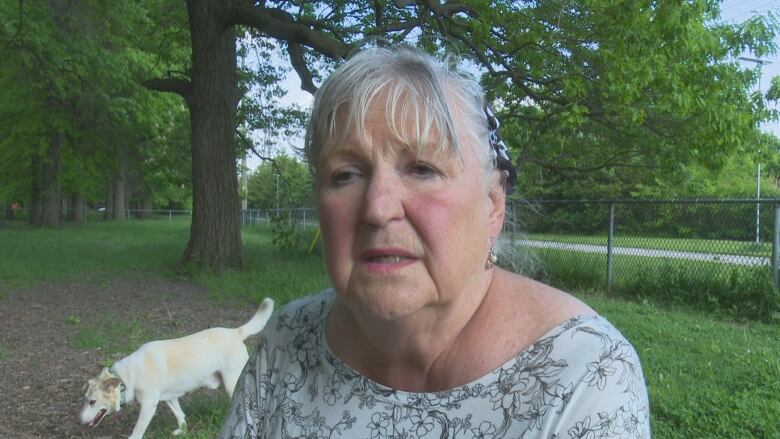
{"type": "Point", "coordinates": [119, 185]}
{"type": "Point", "coordinates": [145, 206]}
{"type": "Point", "coordinates": [109, 207]}
{"type": "Point", "coordinates": [35, 191]}
{"type": "Point", "coordinates": [215, 234]}
{"type": "Point", "coordinates": [50, 193]}
{"type": "Point", "coordinates": [76, 214]}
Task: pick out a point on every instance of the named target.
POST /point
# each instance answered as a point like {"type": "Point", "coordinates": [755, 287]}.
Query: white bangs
{"type": "Point", "coordinates": [426, 105]}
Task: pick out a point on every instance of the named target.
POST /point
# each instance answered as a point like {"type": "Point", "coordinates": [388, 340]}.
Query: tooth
{"type": "Point", "coordinates": [387, 259]}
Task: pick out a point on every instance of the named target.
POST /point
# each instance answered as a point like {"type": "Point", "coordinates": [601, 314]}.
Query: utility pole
{"type": "Point", "coordinates": [244, 183]}
{"type": "Point", "coordinates": [760, 63]}
{"type": "Point", "coordinates": [277, 191]}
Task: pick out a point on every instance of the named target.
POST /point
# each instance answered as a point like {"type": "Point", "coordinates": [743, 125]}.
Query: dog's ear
{"type": "Point", "coordinates": [104, 374]}
{"type": "Point", "coordinates": [110, 384]}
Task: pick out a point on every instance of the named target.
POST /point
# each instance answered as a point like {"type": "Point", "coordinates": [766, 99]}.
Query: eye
{"type": "Point", "coordinates": [92, 402]}
{"type": "Point", "coordinates": [423, 170]}
{"type": "Point", "coordinates": [344, 176]}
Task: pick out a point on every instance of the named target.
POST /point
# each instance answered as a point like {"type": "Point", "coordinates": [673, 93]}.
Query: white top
{"type": "Point", "coordinates": [580, 380]}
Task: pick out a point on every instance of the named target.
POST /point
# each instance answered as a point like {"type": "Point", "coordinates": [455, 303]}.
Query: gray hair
{"type": "Point", "coordinates": [419, 88]}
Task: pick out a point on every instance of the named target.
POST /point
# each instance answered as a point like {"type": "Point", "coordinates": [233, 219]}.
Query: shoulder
{"type": "Point", "coordinates": [304, 315]}
{"type": "Point", "coordinates": [533, 305]}
{"type": "Point", "coordinates": [607, 392]}
{"type": "Point", "coordinates": [306, 309]}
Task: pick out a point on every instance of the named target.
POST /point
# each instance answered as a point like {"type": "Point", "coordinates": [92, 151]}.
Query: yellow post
{"type": "Point", "coordinates": [314, 241]}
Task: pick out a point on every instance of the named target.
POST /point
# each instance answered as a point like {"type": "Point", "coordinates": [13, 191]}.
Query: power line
{"type": "Point", "coordinates": [735, 4]}
{"type": "Point", "coordinates": [754, 11]}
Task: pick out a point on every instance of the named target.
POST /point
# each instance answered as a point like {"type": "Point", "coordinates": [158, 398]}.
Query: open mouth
{"type": "Point", "coordinates": [99, 417]}
{"type": "Point", "coordinates": [386, 259]}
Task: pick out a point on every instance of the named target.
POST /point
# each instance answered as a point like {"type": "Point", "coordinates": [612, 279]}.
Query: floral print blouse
{"type": "Point", "coordinates": [580, 380]}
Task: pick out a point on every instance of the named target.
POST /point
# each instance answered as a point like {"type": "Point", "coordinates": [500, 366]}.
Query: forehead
{"type": "Point", "coordinates": [92, 386]}
{"type": "Point", "coordinates": [383, 123]}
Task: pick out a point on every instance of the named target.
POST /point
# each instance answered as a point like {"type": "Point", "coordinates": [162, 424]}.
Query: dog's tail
{"type": "Point", "coordinates": [257, 323]}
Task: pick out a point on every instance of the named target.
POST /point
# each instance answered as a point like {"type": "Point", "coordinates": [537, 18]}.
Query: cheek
{"type": "Point", "coordinates": [337, 228]}
{"type": "Point", "coordinates": [451, 226]}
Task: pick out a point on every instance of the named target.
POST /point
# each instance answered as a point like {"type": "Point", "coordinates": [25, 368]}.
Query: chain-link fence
{"type": "Point", "coordinates": [626, 246]}
{"type": "Point", "coordinates": [631, 246]}
{"type": "Point", "coordinates": [303, 217]}
{"type": "Point", "coordinates": [87, 214]}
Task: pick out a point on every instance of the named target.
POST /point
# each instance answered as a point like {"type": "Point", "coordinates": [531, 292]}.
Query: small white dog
{"type": "Point", "coordinates": [167, 369]}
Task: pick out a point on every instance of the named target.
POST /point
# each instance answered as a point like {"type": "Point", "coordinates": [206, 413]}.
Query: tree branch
{"type": "Point", "coordinates": [18, 30]}
{"type": "Point", "coordinates": [251, 146]}
{"type": "Point", "coordinates": [567, 171]}
{"type": "Point", "coordinates": [299, 64]}
{"type": "Point", "coordinates": [178, 86]}
{"type": "Point", "coordinates": [281, 25]}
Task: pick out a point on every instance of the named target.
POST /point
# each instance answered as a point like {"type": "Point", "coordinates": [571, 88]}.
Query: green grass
{"type": "Point", "coordinates": [270, 272]}
{"type": "Point", "coordinates": [93, 250]}
{"type": "Point", "coordinates": [742, 248]}
{"type": "Point", "coordinates": [113, 336]}
{"type": "Point", "coordinates": [707, 376]}
{"type": "Point", "coordinates": [204, 410]}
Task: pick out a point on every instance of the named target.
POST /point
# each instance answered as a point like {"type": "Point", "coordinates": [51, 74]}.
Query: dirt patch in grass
{"type": "Point", "coordinates": [42, 374]}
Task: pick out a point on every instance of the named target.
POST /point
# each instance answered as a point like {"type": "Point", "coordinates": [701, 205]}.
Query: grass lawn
{"type": "Point", "coordinates": [707, 377]}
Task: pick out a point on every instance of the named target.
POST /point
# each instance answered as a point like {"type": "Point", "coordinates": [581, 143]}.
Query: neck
{"type": "Point", "coordinates": [428, 351]}
{"type": "Point", "coordinates": [122, 389]}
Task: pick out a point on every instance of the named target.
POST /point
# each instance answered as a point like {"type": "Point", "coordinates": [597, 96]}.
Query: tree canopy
{"type": "Point", "coordinates": [79, 120]}
{"type": "Point", "coordinates": [603, 92]}
{"type": "Point", "coordinates": [283, 183]}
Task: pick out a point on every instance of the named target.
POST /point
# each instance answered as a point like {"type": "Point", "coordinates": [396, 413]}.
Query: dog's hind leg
{"type": "Point", "coordinates": [232, 372]}
{"type": "Point", "coordinates": [173, 404]}
{"type": "Point", "coordinates": [230, 378]}
{"type": "Point", "coordinates": [148, 407]}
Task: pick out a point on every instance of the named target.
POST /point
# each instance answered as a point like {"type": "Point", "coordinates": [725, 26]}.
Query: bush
{"type": "Point", "coordinates": [286, 233]}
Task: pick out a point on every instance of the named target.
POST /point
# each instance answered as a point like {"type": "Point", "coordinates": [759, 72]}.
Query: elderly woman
{"type": "Point", "coordinates": [421, 334]}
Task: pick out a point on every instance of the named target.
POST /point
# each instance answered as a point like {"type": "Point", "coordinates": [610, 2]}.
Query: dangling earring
{"type": "Point", "coordinates": [492, 258]}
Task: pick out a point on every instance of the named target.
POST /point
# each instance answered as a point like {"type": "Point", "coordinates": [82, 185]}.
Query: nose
{"type": "Point", "coordinates": [383, 198]}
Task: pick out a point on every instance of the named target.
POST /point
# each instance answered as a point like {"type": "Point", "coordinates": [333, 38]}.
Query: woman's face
{"type": "Point", "coordinates": [404, 232]}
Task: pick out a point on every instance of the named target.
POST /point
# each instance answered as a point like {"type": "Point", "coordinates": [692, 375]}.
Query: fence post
{"type": "Point", "coordinates": [610, 237]}
{"type": "Point", "coordinates": [776, 249]}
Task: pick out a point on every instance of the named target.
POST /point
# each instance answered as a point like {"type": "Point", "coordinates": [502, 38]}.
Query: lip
{"type": "Point", "coordinates": [406, 259]}
{"type": "Point", "coordinates": [96, 420]}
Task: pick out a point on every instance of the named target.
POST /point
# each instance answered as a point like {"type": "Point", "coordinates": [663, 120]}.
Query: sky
{"type": "Point", "coordinates": [737, 11]}
{"type": "Point", "coordinates": [732, 11]}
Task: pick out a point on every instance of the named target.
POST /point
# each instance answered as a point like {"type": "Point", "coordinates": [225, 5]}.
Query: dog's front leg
{"type": "Point", "coordinates": [148, 407]}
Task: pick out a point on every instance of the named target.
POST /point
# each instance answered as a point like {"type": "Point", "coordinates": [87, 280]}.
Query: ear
{"type": "Point", "coordinates": [110, 384]}
{"type": "Point", "coordinates": [497, 197]}
{"type": "Point", "coordinates": [104, 374]}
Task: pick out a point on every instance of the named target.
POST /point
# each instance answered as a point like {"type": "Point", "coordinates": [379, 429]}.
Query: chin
{"type": "Point", "coordinates": [387, 302]}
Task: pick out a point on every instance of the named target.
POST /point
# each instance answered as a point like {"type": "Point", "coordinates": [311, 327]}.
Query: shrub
{"type": "Point", "coordinates": [286, 233]}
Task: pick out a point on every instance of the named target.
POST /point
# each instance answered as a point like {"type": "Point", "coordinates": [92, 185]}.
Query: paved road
{"type": "Point", "coordinates": [752, 261]}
